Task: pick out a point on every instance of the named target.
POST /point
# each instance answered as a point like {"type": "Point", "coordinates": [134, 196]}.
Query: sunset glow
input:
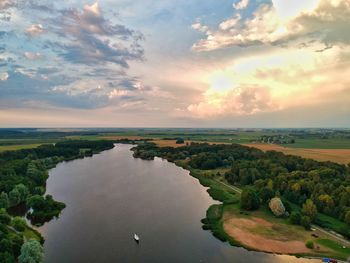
{"type": "Point", "coordinates": [118, 63]}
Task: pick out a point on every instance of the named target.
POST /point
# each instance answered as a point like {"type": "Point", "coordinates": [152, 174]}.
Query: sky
{"type": "Point", "coordinates": [165, 63]}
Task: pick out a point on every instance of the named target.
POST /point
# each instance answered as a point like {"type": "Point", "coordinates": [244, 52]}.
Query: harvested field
{"type": "Point", "coordinates": [341, 156]}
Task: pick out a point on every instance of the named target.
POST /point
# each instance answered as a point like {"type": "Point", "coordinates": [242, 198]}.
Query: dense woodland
{"type": "Point", "coordinates": [23, 176]}
{"type": "Point", "coordinates": [315, 187]}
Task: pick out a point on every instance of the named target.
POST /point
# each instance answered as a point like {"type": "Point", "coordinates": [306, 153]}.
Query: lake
{"type": "Point", "coordinates": [112, 195]}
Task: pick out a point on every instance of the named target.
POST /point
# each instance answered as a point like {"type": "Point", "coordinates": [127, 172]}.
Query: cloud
{"type": "Point", "coordinates": [282, 22]}
{"type": "Point", "coordinates": [239, 101]}
{"type": "Point", "coordinates": [282, 79]}
{"type": "Point", "coordinates": [34, 30]}
{"type": "Point", "coordinates": [89, 38]}
{"type": "Point", "coordinates": [33, 56]}
{"type": "Point", "coordinates": [241, 4]}
{"type": "Point", "coordinates": [4, 76]}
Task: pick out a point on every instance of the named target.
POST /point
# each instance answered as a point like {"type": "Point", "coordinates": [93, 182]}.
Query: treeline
{"type": "Point", "coordinates": [23, 176]}
{"type": "Point", "coordinates": [295, 179]}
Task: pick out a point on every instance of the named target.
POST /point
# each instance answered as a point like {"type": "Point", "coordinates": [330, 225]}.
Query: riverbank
{"type": "Point", "coordinates": [23, 190]}
{"type": "Point", "coordinates": [258, 230]}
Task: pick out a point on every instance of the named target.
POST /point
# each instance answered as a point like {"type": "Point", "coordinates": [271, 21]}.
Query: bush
{"type": "Point", "coordinates": [309, 244]}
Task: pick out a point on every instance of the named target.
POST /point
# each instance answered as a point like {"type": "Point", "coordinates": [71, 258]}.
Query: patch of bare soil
{"type": "Point", "coordinates": [241, 229]}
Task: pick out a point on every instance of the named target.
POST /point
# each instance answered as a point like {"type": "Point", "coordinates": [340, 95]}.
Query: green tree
{"type": "Point", "coordinates": [347, 217]}
{"type": "Point", "coordinates": [4, 200]}
{"type": "Point", "coordinates": [249, 199]}
{"type": "Point", "coordinates": [23, 192]}
{"type": "Point", "coordinates": [266, 194]}
{"type": "Point", "coordinates": [14, 197]}
{"type": "Point", "coordinates": [4, 217]}
{"type": "Point", "coordinates": [31, 252]}
{"type": "Point", "coordinates": [19, 223]}
{"type": "Point", "coordinates": [305, 221]}
{"type": "Point", "coordinates": [309, 209]}
{"type": "Point", "coordinates": [295, 218]}
{"type": "Point", "coordinates": [6, 257]}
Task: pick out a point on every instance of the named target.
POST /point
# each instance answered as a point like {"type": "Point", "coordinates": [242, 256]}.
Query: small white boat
{"type": "Point", "coordinates": [136, 237]}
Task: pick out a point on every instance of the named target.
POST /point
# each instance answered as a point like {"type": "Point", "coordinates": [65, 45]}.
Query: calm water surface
{"type": "Point", "coordinates": [112, 195]}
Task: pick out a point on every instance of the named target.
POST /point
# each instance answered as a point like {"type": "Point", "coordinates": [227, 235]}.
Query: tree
{"type": "Point", "coordinates": [266, 194]}
{"type": "Point", "coordinates": [249, 199]}
{"type": "Point", "coordinates": [36, 202]}
{"type": "Point", "coordinates": [4, 217]}
{"type": "Point", "coordinates": [19, 223]}
{"type": "Point", "coordinates": [31, 252]}
{"type": "Point", "coordinates": [180, 141]}
{"type": "Point", "coordinates": [305, 222]}
{"type": "Point", "coordinates": [23, 192]}
{"type": "Point", "coordinates": [277, 206]}
{"type": "Point", "coordinates": [14, 197]}
{"type": "Point", "coordinates": [309, 209]}
{"type": "Point", "coordinates": [295, 218]}
{"type": "Point", "coordinates": [4, 200]}
{"type": "Point", "coordinates": [347, 217]}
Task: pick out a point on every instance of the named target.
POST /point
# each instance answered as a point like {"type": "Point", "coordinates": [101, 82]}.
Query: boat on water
{"type": "Point", "coordinates": [137, 238]}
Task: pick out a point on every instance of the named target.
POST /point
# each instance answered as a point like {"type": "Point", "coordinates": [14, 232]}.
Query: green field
{"type": "Point", "coordinates": [334, 141]}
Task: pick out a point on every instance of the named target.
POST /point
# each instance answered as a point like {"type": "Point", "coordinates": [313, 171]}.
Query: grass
{"type": "Point", "coordinates": [338, 250]}
{"type": "Point", "coordinates": [30, 233]}
{"type": "Point", "coordinates": [333, 224]}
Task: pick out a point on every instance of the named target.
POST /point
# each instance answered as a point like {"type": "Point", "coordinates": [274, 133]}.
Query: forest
{"type": "Point", "coordinates": [23, 176]}
{"type": "Point", "coordinates": [316, 188]}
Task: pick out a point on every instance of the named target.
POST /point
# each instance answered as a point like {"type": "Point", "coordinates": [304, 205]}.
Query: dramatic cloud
{"type": "Point", "coordinates": [89, 38]}
{"type": "Point", "coordinates": [239, 101]}
{"type": "Point", "coordinates": [252, 62]}
{"type": "Point", "coordinates": [280, 22]}
{"type": "Point", "coordinates": [278, 80]}
{"type": "Point", "coordinates": [87, 49]}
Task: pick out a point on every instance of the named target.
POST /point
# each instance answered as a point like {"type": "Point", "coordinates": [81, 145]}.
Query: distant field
{"type": "Point", "coordinates": [335, 155]}
{"type": "Point", "coordinates": [17, 147]}
{"type": "Point", "coordinates": [334, 149]}
{"type": "Point", "coordinates": [333, 143]}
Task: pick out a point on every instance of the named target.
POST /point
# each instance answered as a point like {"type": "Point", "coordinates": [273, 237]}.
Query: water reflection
{"type": "Point", "coordinates": [111, 196]}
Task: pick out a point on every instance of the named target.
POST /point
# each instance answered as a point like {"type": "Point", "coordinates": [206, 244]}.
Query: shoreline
{"type": "Point", "coordinates": [215, 224]}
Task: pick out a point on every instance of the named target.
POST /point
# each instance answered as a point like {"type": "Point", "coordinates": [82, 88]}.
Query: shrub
{"type": "Point", "coordinates": [309, 244]}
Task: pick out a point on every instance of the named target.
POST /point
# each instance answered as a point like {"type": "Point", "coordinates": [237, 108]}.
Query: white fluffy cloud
{"type": "Point", "coordinates": [282, 21]}
{"type": "Point", "coordinates": [241, 4]}
{"type": "Point", "coordinates": [34, 30]}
